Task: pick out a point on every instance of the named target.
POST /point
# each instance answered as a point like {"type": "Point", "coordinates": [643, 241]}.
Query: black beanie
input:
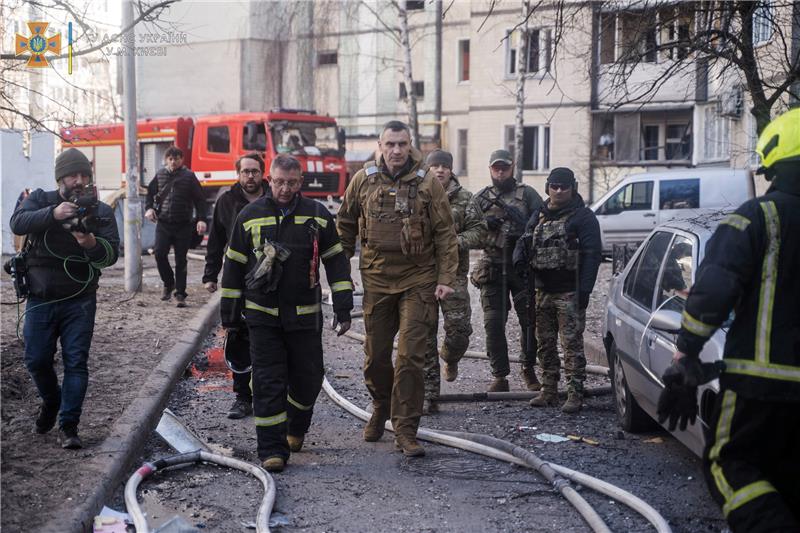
{"type": "Point", "coordinates": [440, 157]}
{"type": "Point", "coordinates": [562, 176]}
{"type": "Point", "coordinates": [71, 161]}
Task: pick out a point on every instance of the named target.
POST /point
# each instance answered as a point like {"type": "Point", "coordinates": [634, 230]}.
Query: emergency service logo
{"type": "Point", "coordinates": [37, 45]}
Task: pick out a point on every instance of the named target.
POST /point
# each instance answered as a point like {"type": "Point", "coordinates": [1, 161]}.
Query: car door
{"type": "Point", "coordinates": [628, 216]}
{"type": "Point", "coordinates": [674, 281]}
{"type": "Point", "coordinates": [638, 294]}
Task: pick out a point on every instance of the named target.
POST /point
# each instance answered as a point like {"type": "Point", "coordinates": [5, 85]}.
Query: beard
{"type": "Point", "coordinates": [70, 192]}
{"type": "Point", "coordinates": [507, 185]}
{"type": "Point", "coordinates": [251, 186]}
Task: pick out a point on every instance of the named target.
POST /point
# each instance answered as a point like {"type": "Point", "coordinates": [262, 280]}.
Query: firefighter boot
{"type": "Point", "coordinates": [275, 463]}
{"type": "Point", "coordinates": [499, 385]}
{"type": "Point", "coordinates": [295, 443]}
{"type": "Point", "coordinates": [450, 371]}
{"type": "Point", "coordinates": [546, 398]}
{"type": "Point", "coordinates": [408, 445]}
{"type": "Point", "coordinates": [530, 380]}
{"type": "Point", "coordinates": [573, 404]}
{"type": "Point", "coordinates": [374, 429]}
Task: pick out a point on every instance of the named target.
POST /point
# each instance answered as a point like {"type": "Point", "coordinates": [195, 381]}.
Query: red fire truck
{"type": "Point", "coordinates": [212, 143]}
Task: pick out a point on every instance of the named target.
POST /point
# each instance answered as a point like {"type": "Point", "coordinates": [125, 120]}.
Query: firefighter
{"type": "Point", "coordinates": [249, 188]}
{"type": "Point", "coordinates": [171, 195]}
{"type": "Point", "coordinates": [271, 274]}
{"type": "Point", "coordinates": [409, 255]}
{"type": "Point", "coordinates": [506, 205]}
{"type": "Point", "coordinates": [752, 455]}
{"type": "Point", "coordinates": [561, 247]}
{"type": "Point", "coordinates": [469, 226]}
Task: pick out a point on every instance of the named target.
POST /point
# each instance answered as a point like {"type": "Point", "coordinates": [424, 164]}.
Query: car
{"type": "Point", "coordinates": [642, 319]}
{"type": "Point", "coordinates": [630, 210]}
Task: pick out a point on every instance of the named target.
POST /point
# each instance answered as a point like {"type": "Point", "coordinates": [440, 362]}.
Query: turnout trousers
{"type": "Point", "coordinates": [287, 377]}
{"type": "Point", "coordinates": [496, 306]}
{"type": "Point", "coordinates": [457, 315]}
{"type": "Point", "coordinates": [557, 315]}
{"type": "Point", "coordinates": [397, 390]}
{"type": "Point", "coordinates": [752, 463]}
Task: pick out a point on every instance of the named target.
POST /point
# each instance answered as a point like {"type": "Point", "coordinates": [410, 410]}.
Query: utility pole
{"type": "Point", "coordinates": [133, 206]}
{"type": "Point", "coordinates": [437, 73]}
{"type": "Point", "coordinates": [522, 70]}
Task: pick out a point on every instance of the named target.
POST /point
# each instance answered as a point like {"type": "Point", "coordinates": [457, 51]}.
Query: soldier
{"type": "Point", "coordinates": [249, 188]}
{"type": "Point", "coordinates": [506, 205]}
{"type": "Point", "coordinates": [271, 274]}
{"type": "Point", "coordinates": [409, 256]}
{"type": "Point", "coordinates": [562, 246]}
{"type": "Point", "coordinates": [470, 227]}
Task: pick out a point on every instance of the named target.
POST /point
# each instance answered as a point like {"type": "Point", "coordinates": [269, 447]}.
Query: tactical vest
{"type": "Point", "coordinates": [497, 239]}
{"type": "Point", "coordinates": [387, 206]}
{"type": "Point", "coordinates": [553, 248]}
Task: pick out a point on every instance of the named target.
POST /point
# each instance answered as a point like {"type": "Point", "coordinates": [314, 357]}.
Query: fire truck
{"type": "Point", "coordinates": [212, 143]}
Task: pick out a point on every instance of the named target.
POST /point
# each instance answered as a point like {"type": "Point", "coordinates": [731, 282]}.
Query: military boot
{"type": "Point", "coordinates": [374, 429]}
{"type": "Point", "coordinates": [545, 399]}
{"type": "Point", "coordinates": [499, 385]}
{"type": "Point", "coordinates": [530, 379]}
{"type": "Point", "coordinates": [573, 404]}
{"type": "Point", "coordinates": [450, 371]}
{"type": "Point", "coordinates": [409, 446]}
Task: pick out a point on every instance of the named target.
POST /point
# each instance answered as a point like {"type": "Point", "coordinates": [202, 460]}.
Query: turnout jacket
{"type": "Point", "coordinates": [583, 232]}
{"type": "Point", "coordinates": [752, 266]}
{"type": "Point", "coordinates": [177, 199]}
{"type": "Point", "coordinates": [295, 304]}
{"type": "Point", "coordinates": [227, 208]}
{"type": "Point", "coordinates": [48, 272]}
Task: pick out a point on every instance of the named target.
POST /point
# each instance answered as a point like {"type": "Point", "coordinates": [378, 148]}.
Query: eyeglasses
{"type": "Point", "coordinates": [559, 186]}
{"type": "Point", "coordinates": [501, 167]}
{"type": "Point", "coordinates": [250, 172]}
{"type": "Point", "coordinates": [280, 184]}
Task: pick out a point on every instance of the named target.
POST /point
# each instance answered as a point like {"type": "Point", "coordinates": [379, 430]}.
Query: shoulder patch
{"type": "Point", "coordinates": [371, 171]}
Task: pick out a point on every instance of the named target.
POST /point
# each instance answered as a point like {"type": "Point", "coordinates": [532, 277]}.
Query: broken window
{"type": "Point", "coordinates": [638, 37]}
{"type": "Point", "coordinates": [675, 32]}
{"type": "Point", "coordinates": [608, 38]}
{"type": "Point", "coordinates": [540, 51]}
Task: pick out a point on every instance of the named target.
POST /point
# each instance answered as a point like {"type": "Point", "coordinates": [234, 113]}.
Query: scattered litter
{"type": "Point", "coordinates": [278, 520]}
{"type": "Point", "coordinates": [110, 521]}
{"type": "Point", "coordinates": [548, 437]}
{"type": "Point", "coordinates": [342, 376]}
{"type": "Point", "coordinates": [577, 438]}
{"type": "Point", "coordinates": [654, 440]}
{"type": "Point", "coordinates": [523, 428]}
{"type": "Point", "coordinates": [690, 478]}
{"type": "Point", "coordinates": [176, 524]}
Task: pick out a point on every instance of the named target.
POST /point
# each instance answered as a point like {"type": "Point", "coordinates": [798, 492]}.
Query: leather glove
{"type": "Point", "coordinates": [494, 223]}
{"type": "Point", "coordinates": [583, 299]}
{"type": "Point", "coordinates": [411, 239]}
{"type": "Point", "coordinates": [678, 400]}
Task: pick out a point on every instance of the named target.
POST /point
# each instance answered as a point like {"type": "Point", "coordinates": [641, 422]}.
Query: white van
{"type": "Point", "coordinates": [630, 210]}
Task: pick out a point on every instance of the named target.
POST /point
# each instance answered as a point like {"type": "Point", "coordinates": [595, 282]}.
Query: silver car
{"type": "Point", "coordinates": [643, 314]}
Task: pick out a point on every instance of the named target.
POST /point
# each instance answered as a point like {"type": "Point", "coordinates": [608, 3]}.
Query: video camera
{"type": "Point", "coordinates": [86, 219]}
{"type": "Point", "coordinates": [17, 268]}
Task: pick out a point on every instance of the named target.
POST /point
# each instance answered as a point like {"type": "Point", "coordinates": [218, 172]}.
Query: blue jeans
{"type": "Point", "coordinates": [73, 321]}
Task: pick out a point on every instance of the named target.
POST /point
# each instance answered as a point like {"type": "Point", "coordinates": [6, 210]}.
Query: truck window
{"type": "Point", "coordinates": [305, 138]}
{"type": "Point", "coordinates": [633, 197]}
{"type": "Point", "coordinates": [254, 136]}
{"type": "Point", "coordinates": [679, 194]}
{"type": "Point", "coordinates": [219, 139]}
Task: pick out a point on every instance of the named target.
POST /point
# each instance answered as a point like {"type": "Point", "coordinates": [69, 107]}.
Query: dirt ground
{"type": "Point", "coordinates": [339, 483]}
{"type": "Point", "coordinates": [39, 478]}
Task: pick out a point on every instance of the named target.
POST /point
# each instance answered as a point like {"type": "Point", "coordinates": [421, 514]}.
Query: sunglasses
{"type": "Point", "coordinates": [559, 186]}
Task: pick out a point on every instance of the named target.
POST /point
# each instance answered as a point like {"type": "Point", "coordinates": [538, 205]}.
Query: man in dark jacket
{"type": "Point", "coordinates": [561, 246]}
{"type": "Point", "coordinates": [271, 273]}
{"type": "Point", "coordinates": [68, 245]}
{"type": "Point", "coordinates": [171, 195]}
{"type": "Point", "coordinates": [751, 265]}
{"type": "Point", "coordinates": [250, 187]}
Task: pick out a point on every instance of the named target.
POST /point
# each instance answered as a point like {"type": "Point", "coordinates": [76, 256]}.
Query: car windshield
{"type": "Point", "coordinates": [304, 138]}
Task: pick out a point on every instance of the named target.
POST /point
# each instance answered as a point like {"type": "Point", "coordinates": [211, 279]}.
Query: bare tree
{"type": "Point", "coordinates": [522, 72]}
{"type": "Point", "coordinates": [408, 77]}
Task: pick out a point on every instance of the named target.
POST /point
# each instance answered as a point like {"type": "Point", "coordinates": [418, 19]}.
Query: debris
{"type": "Point", "coordinates": [654, 440]}
{"type": "Point", "coordinates": [110, 521]}
{"type": "Point", "coordinates": [548, 437]}
{"type": "Point", "coordinates": [577, 438]}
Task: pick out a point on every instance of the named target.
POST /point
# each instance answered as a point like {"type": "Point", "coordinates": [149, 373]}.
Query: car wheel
{"type": "Point", "coordinates": [631, 417]}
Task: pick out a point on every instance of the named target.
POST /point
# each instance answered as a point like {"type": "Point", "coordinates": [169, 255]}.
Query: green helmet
{"type": "Point", "coordinates": [780, 141]}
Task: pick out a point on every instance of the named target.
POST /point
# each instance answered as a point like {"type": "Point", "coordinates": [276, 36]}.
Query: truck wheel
{"type": "Point", "coordinates": [631, 416]}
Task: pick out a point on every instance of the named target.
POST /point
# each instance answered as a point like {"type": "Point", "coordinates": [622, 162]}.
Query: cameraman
{"type": "Point", "coordinates": [68, 245]}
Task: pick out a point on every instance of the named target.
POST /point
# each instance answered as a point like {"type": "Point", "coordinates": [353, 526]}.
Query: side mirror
{"type": "Point", "coordinates": [667, 321]}
{"type": "Point", "coordinates": [342, 138]}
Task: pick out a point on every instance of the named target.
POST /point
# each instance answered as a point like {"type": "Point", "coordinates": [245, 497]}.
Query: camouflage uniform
{"type": "Point", "coordinates": [495, 275]}
{"type": "Point", "coordinates": [559, 312]}
{"type": "Point", "coordinates": [470, 227]}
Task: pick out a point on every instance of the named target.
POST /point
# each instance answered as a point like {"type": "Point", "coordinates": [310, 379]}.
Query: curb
{"type": "Point", "coordinates": [115, 456]}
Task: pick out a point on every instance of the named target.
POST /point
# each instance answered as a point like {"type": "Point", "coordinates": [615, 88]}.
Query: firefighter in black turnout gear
{"type": "Point", "coordinates": [249, 188]}
{"type": "Point", "coordinates": [751, 267]}
{"type": "Point", "coordinates": [271, 276]}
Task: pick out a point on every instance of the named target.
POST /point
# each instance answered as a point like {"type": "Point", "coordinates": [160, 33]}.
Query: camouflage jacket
{"type": "Point", "coordinates": [469, 223]}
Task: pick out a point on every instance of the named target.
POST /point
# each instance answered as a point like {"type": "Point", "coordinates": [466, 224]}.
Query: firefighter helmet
{"type": "Point", "coordinates": [237, 351]}
{"type": "Point", "coordinates": [780, 141]}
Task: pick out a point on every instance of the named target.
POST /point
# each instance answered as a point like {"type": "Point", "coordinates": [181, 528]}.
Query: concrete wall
{"type": "Point", "coordinates": [18, 172]}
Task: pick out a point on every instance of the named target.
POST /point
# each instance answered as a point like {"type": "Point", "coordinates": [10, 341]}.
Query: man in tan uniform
{"type": "Point", "coordinates": [409, 256]}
